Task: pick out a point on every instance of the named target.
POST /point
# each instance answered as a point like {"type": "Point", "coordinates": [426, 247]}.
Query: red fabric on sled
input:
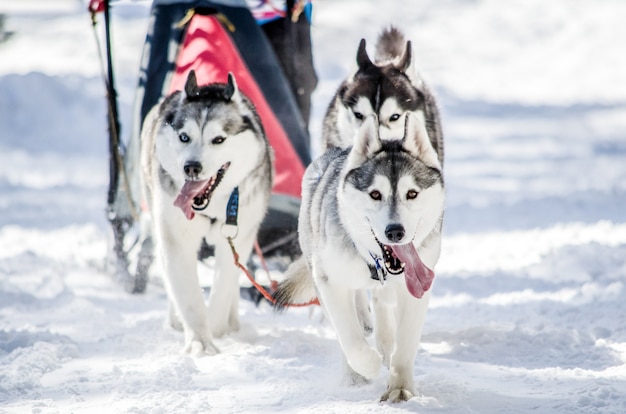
{"type": "Point", "coordinates": [208, 49]}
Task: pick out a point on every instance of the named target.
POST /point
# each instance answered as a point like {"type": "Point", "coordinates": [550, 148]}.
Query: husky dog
{"type": "Point", "coordinates": [370, 220]}
{"type": "Point", "coordinates": [207, 174]}
{"type": "Point", "coordinates": [387, 87]}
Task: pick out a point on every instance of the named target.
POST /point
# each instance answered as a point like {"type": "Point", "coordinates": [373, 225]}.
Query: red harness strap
{"type": "Point", "coordinates": [258, 286]}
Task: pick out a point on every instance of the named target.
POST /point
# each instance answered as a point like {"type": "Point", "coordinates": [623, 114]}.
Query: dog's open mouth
{"type": "Point", "coordinates": [404, 258]}
{"type": "Point", "coordinates": [196, 194]}
{"type": "Point", "coordinates": [393, 265]}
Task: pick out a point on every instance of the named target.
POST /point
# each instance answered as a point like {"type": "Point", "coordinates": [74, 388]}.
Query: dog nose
{"type": "Point", "coordinates": [394, 232]}
{"type": "Point", "coordinates": [192, 168]}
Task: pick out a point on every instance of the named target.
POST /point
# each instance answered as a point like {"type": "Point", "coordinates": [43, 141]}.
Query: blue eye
{"type": "Point", "coordinates": [184, 137]}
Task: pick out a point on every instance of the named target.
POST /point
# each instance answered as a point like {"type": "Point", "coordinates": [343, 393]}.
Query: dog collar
{"type": "Point", "coordinates": [378, 271]}
{"type": "Point", "coordinates": [229, 228]}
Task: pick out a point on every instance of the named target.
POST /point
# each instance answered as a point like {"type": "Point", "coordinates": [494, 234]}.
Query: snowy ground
{"type": "Point", "coordinates": [529, 305]}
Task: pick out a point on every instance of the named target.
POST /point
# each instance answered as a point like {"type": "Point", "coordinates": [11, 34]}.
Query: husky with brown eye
{"type": "Point", "coordinates": [370, 232]}
{"type": "Point", "coordinates": [201, 147]}
{"type": "Point", "coordinates": [376, 225]}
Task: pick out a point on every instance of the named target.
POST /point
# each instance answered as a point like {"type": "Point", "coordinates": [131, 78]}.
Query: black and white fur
{"type": "Point", "coordinates": [353, 202]}
{"type": "Point", "coordinates": [189, 137]}
{"type": "Point", "coordinates": [388, 87]}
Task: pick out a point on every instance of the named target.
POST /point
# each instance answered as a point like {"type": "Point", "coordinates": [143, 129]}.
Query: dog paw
{"type": "Point", "coordinates": [365, 361]}
{"type": "Point", "coordinates": [173, 320]}
{"type": "Point", "coordinates": [397, 395]}
{"type": "Point", "coordinates": [200, 347]}
{"type": "Point", "coordinates": [355, 379]}
{"type": "Point", "coordinates": [175, 323]}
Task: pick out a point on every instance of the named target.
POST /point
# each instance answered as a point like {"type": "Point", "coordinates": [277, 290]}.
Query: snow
{"type": "Point", "coordinates": [529, 305]}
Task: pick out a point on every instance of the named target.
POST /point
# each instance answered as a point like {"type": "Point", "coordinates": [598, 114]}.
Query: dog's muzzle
{"type": "Point", "coordinates": [393, 265]}
{"type": "Point", "coordinates": [201, 201]}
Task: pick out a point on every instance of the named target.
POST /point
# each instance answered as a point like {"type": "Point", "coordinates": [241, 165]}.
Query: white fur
{"type": "Point", "coordinates": [341, 277]}
{"type": "Point", "coordinates": [178, 239]}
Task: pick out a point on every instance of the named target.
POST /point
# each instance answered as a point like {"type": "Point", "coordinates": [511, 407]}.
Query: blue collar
{"type": "Point", "coordinates": [232, 210]}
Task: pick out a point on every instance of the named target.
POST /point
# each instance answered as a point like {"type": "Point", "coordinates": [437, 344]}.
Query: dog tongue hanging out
{"type": "Point", "coordinates": [199, 146]}
{"type": "Point", "coordinates": [371, 217]}
{"type": "Point", "coordinates": [417, 275]}
{"type": "Point", "coordinates": [196, 194]}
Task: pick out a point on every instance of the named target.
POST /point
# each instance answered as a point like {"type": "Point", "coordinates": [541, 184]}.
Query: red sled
{"type": "Point", "coordinates": [213, 40]}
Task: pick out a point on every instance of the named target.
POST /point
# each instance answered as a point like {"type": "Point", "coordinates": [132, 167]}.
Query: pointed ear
{"type": "Point", "coordinates": [405, 61]}
{"type": "Point", "coordinates": [191, 86]}
{"type": "Point", "coordinates": [362, 59]}
{"type": "Point", "coordinates": [231, 89]}
{"type": "Point", "coordinates": [406, 65]}
{"type": "Point", "coordinates": [417, 142]}
{"type": "Point", "coordinates": [366, 142]}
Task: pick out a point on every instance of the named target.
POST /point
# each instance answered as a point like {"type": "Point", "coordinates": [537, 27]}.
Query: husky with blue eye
{"type": "Point", "coordinates": [370, 229]}
{"type": "Point", "coordinates": [205, 162]}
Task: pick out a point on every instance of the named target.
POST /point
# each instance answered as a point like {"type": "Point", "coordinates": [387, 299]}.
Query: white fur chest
{"type": "Point", "coordinates": [343, 267]}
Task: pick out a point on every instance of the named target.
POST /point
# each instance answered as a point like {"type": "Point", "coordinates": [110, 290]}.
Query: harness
{"type": "Point", "coordinates": [384, 264]}
{"type": "Point", "coordinates": [229, 228]}
{"type": "Point", "coordinates": [378, 271]}
{"type": "Point", "coordinates": [230, 232]}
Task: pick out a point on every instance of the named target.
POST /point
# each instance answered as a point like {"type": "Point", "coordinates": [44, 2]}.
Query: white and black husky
{"type": "Point", "coordinates": [387, 87]}
{"type": "Point", "coordinates": [370, 220]}
{"type": "Point", "coordinates": [207, 174]}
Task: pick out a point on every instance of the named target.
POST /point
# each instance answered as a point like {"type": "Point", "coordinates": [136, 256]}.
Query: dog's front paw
{"type": "Point", "coordinates": [365, 361]}
{"type": "Point", "coordinates": [174, 322]}
{"type": "Point", "coordinates": [200, 346]}
{"type": "Point", "coordinates": [397, 395]}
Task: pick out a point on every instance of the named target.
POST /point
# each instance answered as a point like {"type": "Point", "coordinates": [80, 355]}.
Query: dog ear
{"type": "Point", "coordinates": [362, 59]}
{"type": "Point", "coordinates": [231, 87]}
{"type": "Point", "coordinates": [366, 142]}
{"type": "Point", "coordinates": [363, 62]}
{"type": "Point", "coordinates": [417, 142]}
{"type": "Point", "coordinates": [191, 86]}
{"type": "Point", "coordinates": [231, 92]}
{"type": "Point", "coordinates": [406, 65]}
{"type": "Point", "coordinates": [405, 61]}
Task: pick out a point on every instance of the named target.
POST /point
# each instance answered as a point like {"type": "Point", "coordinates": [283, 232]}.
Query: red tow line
{"type": "Point", "coordinates": [273, 283]}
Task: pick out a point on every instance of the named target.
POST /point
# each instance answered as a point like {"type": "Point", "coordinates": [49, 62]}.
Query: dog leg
{"type": "Point", "coordinates": [351, 377]}
{"type": "Point", "coordinates": [341, 309]}
{"type": "Point", "coordinates": [384, 327]}
{"type": "Point", "coordinates": [181, 281]}
{"type": "Point", "coordinates": [172, 317]}
{"type": "Point", "coordinates": [224, 299]}
{"type": "Point", "coordinates": [410, 314]}
{"type": "Point", "coordinates": [363, 311]}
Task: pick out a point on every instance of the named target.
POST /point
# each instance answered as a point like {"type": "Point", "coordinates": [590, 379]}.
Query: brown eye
{"type": "Point", "coordinates": [394, 117]}
{"type": "Point", "coordinates": [358, 115]}
{"type": "Point", "coordinates": [411, 194]}
{"type": "Point", "coordinates": [375, 194]}
{"type": "Point", "coordinates": [218, 140]}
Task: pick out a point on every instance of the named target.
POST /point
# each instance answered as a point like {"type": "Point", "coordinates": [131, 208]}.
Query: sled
{"type": "Point", "coordinates": [270, 63]}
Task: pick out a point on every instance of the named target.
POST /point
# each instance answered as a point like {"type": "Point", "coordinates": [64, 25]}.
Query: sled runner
{"type": "Point", "coordinates": [273, 67]}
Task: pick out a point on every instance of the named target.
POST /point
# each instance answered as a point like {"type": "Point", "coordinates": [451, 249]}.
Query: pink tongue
{"type": "Point", "coordinates": [418, 277]}
{"type": "Point", "coordinates": [190, 190]}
